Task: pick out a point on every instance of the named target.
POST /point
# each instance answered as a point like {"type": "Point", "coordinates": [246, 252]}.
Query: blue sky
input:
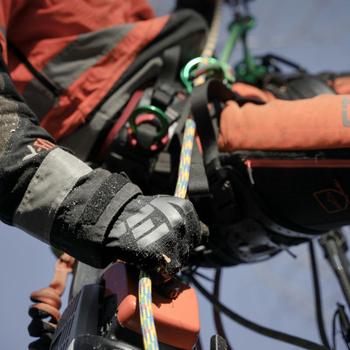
{"type": "Point", "coordinates": [276, 293]}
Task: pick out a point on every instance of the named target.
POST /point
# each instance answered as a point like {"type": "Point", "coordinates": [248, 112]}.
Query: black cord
{"type": "Point", "coordinates": [344, 339]}
{"type": "Point", "coordinates": [269, 58]}
{"type": "Point", "coordinates": [56, 90]}
{"type": "Point", "coordinates": [287, 338]}
{"type": "Point", "coordinates": [203, 276]}
{"type": "Point", "coordinates": [334, 329]}
{"type": "Point", "coordinates": [317, 296]}
{"type": "Point", "coordinates": [217, 315]}
{"type": "Point", "coordinates": [336, 316]}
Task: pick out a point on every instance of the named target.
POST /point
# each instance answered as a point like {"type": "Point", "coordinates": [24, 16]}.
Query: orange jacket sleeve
{"type": "Point", "coordinates": [321, 122]}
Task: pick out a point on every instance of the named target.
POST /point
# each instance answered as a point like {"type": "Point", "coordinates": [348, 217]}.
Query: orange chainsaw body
{"type": "Point", "coordinates": [177, 320]}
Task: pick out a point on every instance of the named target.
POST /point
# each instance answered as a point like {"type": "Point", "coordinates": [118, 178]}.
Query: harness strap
{"type": "Point", "coordinates": [200, 99]}
{"type": "Point", "coordinates": [171, 58]}
{"type": "Point", "coordinates": [91, 130]}
{"type": "Point", "coordinates": [134, 100]}
{"type": "Point", "coordinates": [225, 204]}
{"type": "Point", "coordinates": [212, 91]}
{"type": "Point", "coordinates": [198, 184]}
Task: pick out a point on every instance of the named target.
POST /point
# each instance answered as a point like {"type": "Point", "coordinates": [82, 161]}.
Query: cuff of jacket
{"type": "Point", "coordinates": [72, 207]}
{"type": "Point", "coordinates": [50, 185]}
{"type": "Point", "coordinates": [87, 215]}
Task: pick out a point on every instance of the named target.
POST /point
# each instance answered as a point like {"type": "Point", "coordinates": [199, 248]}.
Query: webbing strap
{"type": "Point", "coordinates": [200, 99]}
{"type": "Point", "coordinates": [198, 183]}
{"type": "Point", "coordinates": [226, 207]}
{"type": "Point", "coordinates": [90, 131]}
{"type": "Point", "coordinates": [171, 60]}
{"type": "Point", "coordinates": [212, 91]}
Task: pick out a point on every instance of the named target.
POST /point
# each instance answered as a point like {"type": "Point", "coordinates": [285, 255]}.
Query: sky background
{"type": "Point", "coordinates": [277, 293]}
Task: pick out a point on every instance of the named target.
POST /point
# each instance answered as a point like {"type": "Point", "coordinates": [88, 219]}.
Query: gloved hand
{"type": "Point", "coordinates": [155, 233]}
{"type": "Point", "coordinates": [106, 218]}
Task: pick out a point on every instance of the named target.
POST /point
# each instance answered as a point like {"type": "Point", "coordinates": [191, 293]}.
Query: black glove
{"type": "Point", "coordinates": [155, 233]}
{"type": "Point", "coordinates": [106, 218]}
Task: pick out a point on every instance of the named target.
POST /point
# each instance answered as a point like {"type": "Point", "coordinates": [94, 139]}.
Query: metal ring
{"type": "Point", "coordinates": [162, 117]}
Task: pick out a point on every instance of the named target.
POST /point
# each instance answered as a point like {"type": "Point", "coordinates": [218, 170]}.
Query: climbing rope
{"type": "Point", "coordinates": [148, 328]}
{"type": "Point", "coordinates": [149, 333]}
{"type": "Point", "coordinates": [185, 159]}
{"type": "Point", "coordinates": [213, 35]}
{"type": "Point", "coordinates": [145, 285]}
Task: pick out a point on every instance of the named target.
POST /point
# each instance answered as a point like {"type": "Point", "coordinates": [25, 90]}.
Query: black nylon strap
{"type": "Point", "coordinates": [198, 183]}
{"type": "Point", "coordinates": [212, 91]}
{"type": "Point", "coordinates": [200, 99]}
{"type": "Point", "coordinates": [226, 207]}
{"type": "Point", "coordinates": [171, 59]}
{"type": "Point", "coordinates": [56, 90]}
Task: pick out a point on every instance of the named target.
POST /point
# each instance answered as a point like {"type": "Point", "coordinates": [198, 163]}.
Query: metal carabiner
{"type": "Point", "coordinates": [160, 116]}
{"type": "Point", "coordinates": [204, 66]}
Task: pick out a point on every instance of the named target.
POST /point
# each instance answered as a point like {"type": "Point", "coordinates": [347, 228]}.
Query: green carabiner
{"type": "Point", "coordinates": [149, 109]}
{"type": "Point", "coordinates": [208, 64]}
{"type": "Point", "coordinates": [185, 74]}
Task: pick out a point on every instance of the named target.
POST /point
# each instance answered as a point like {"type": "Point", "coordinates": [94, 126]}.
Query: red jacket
{"type": "Point", "coordinates": [82, 47]}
